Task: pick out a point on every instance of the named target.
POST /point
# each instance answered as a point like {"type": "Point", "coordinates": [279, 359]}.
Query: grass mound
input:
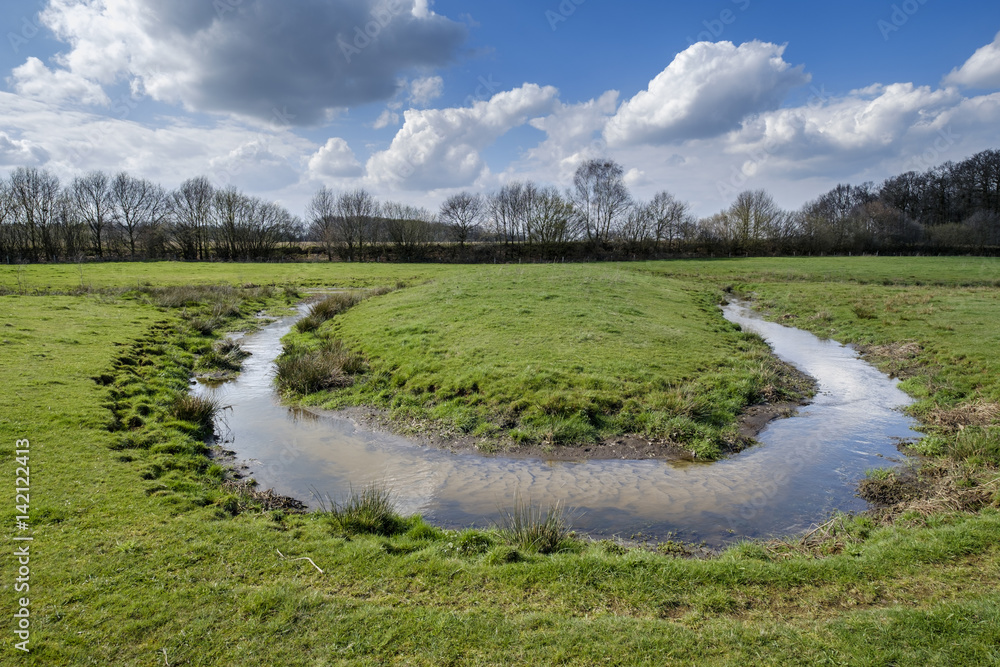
{"type": "Point", "coordinates": [549, 356]}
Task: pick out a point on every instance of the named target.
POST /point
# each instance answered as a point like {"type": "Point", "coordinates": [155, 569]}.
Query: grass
{"type": "Point", "coordinates": [138, 557]}
{"type": "Point", "coordinates": [368, 511]}
{"type": "Point", "coordinates": [546, 355]}
{"type": "Point", "coordinates": [534, 528]}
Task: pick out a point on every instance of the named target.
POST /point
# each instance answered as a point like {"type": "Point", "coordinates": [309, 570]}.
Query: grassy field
{"type": "Point", "coordinates": [141, 554]}
{"type": "Point", "coordinates": [555, 355]}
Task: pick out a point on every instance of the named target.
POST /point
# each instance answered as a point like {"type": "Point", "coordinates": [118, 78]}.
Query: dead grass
{"type": "Point", "coordinates": [977, 413]}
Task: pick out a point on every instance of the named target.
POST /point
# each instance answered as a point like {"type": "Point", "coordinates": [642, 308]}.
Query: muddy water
{"type": "Point", "coordinates": [806, 466]}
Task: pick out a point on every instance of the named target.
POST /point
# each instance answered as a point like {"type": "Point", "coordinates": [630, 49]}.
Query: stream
{"type": "Point", "coordinates": [805, 467]}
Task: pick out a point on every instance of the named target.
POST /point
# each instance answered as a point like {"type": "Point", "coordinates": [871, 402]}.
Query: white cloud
{"type": "Point", "coordinates": [708, 89]}
{"type": "Point", "coordinates": [873, 122]}
{"type": "Point", "coordinates": [20, 153]}
{"type": "Point", "coordinates": [573, 133]}
{"type": "Point", "coordinates": [255, 167]}
{"type": "Point", "coordinates": [386, 118]}
{"type": "Point", "coordinates": [982, 70]}
{"type": "Point", "coordinates": [250, 59]}
{"type": "Point", "coordinates": [34, 79]}
{"type": "Point", "coordinates": [426, 90]}
{"type": "Point", "coordinates": [335, 159]}
{"type": "Point", "coordinates": [70, 142]}
{"type": "Point", "coordinates": [440, 148]}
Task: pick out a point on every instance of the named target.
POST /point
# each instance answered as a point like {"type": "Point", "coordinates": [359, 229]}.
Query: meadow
{"type": "Point", "coordinates": [145, 552]}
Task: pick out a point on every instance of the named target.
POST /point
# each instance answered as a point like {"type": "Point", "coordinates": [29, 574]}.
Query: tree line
{"type": "Point", "coordinates": [950, 208]}
{"type": "Point", "coordinates": [100, 216]}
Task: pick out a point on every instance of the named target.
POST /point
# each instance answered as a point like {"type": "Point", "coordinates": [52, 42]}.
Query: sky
{"type": "Point", "coordinates": [416, 100]}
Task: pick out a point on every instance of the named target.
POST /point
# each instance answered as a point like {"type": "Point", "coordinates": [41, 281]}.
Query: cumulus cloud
{"type": "Point", "coordinates": [440, 148]}
{"type": "Point", "coordinates": [573, 133]}
{"type": "Point", "coordinates": [254, 166]}
{"type": "Point", "coordinates": [707, 90]}
{"type": "Point", "coordinates": [982, 70]}
{"type": "Point", "coordinates": [426, 90]}
{"type": "Point", "coordinates": [254, 58]}
{"type": "Point", "coordinates": [34, 79]}
{"type": "Point", "coordinates": [335, 159]}
{"type": "Point", "coordinates": [867, 124]}
{"type": "Point", "coordinates": [385, 119]}
{"type": "Point", "coordinates": [20, 153]}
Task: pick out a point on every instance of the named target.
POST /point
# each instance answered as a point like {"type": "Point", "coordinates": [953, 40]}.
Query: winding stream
{"type": "Point", "coordinates": [806, 466]}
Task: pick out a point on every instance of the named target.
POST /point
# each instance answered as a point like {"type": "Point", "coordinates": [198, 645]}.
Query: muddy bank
{"type": "Point", "coordinates": [631, 447]}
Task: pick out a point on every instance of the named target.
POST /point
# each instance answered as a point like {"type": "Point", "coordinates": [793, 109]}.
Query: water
{"type": "Point", "coordinates": [806, 466]}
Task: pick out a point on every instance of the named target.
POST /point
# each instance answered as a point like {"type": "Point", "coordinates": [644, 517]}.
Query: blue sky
{"type": "Point", "coordinates": [416, 100]}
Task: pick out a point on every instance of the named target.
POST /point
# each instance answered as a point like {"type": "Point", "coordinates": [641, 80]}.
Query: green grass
{"type": "Point", "coordinates": [133, 570]}
{"type": "Point", "coordinates": [555, 355]}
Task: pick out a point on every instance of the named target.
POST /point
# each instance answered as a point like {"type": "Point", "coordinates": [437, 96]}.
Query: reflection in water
{"type": "Point", "coordinates": [806, 467]}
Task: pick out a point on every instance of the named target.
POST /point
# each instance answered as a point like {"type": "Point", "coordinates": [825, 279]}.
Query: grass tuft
{"type": "Point", "coordinates": [304, 371]}
{"type": "Point", "coordinates": [198, 410]}
{"type": "Point", "coordinates": [368, 511]}
{"type": "Point", "coordinates": [533, 528]}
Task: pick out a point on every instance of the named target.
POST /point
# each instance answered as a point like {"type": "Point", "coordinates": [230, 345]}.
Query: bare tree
{"type": "Point", "coordinates": [753, 218]}
{"type": "Point", "coordinates": [92, 197]}
{"type": "Point", "coordinates": [549, 217]}
{"type": "Point", "coordinates": [464, 213]}
{"type": "Point", "coordinates": [670, 219]}
{"type": "Point", "coordinates": [321, 214]}
{"type": "Point", "coordinates": [637, 227]}
{"type": "Point", "coordinates": [406, 227]}
{"type": "Point", "coordinates": [230, 213]}
{"type": "Point", "coordinates": [357, 222]}
{"type": "Point", "coordinates": [191, 210]}
{"type": "Point", "coordinates": [33, 194]}
{"type": "Point", "coordinates": [600, 197]}
{"type": "Point", "coordinates": [137, 205]}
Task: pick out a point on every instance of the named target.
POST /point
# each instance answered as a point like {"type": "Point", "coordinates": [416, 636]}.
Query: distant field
{"type": "Point", "coordinates": [140, 556]}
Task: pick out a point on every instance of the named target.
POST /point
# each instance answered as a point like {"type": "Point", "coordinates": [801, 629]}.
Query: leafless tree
{"type": "Point", "coordinates": [753, 218]}
{"type": "Point", "coordinates": [357, 222]}
{"type": "Point", "coordinates": [137, 206]}
{"type": "Point", "coordinates": [637, 226]}
{"type": "Point", "coordinates": [463, 213]}
{"type": "Point", "coordinates": [549, 216]}
{"type": "Point", "coordinates": [321, 215]}
{"type": "Point", "coordinates": [34, 193]}
{"type": "Point", "coordinates": [670, 218]}
{"type": "Point", "coordinates": [92, 197]}
{"type": "Point", "coordinates": [406, 227]}
{"type": "Point", "coordinates": [600, 197]}
{"type": "Point", "coordinates": [191, 212]}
